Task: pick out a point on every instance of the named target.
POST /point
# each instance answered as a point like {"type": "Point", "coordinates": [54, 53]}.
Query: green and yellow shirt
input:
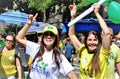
{"type": "Point", "coordinates": [85, 63]}
{"type": "Point", "coordinates": [7, 64]}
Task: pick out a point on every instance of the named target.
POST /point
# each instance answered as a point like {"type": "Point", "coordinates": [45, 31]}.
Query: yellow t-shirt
{"type": "Point", "coordinates": [113, 58]}
{"type": "Point", "coordinates": [85, 63]}
{"type": "Point", "coordinates": [7, 64]}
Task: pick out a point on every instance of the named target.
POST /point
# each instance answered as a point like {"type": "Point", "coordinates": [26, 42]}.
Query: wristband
{"type": "Point", "coordinates": [28, 24]}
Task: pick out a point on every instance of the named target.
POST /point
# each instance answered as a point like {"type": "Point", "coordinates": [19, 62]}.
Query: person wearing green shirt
{"type": "Point", "coordinates": [2, 42]}
{"type": "Point", "coordinates": [114, 58]}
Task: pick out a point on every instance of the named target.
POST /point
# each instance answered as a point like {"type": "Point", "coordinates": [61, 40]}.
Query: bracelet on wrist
{"type": "Point", "coordinates": [28, 24]}
{"type": "Point", "coordinates": [73, 17]}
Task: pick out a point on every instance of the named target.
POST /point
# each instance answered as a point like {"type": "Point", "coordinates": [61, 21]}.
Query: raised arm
{"type": "Point", "coordinates": [22, 32]}
{"type": "Point", "coordinates": [76, 43]}
{"type": "Point", "coordinates": [104, 27]}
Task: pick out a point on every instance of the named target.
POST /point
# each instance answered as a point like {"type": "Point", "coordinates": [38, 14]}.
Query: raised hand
{"type": "Point", "coordinates": [72, 10]}
{"type": "Point", "coordinates": [96, 7]}
{"type": "Point", "coordinates": [31, 18]}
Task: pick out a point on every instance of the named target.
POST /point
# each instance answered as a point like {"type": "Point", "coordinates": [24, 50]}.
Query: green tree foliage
{"type": "Point", "coordinates": [41, 4]}
{"type": "Point", "coordinates": [44, 4]}
{"type": "Point", "coordinates": [82, 4]}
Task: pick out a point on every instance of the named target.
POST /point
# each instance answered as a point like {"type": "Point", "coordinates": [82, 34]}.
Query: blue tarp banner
{"type": "Point", "coordinates": [87, 25]}
{"type": "Point", "coordinates": [18, 18]}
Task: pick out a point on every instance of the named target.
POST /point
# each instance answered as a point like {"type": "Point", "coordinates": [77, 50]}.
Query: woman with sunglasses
{"type": "Point", "coordinates": [95, 51]}
{"type": "Point", "coordinates": [48, 61]}
{"type": "Point", "coordinates": [10, 64]}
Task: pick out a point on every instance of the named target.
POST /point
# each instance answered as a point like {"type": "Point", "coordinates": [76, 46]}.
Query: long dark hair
{"type": "Point", "coordinates": [95, 60]}
{"type": "Point", "coordinates": [56, 52]}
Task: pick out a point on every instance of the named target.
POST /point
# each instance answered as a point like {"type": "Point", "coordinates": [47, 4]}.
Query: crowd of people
{"type": "Point", "coordinates": [99, 56]}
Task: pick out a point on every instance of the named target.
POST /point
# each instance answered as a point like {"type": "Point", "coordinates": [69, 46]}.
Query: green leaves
{"type": "Point", "coordinates": [41, 4]}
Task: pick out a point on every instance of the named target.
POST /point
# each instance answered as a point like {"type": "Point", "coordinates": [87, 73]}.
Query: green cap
{"type": "Point", "coordinates": [51, 28]}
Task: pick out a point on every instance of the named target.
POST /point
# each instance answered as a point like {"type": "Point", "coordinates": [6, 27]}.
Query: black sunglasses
{"type": "Point", "coordinates": [48, 34]}
{"type": "Point", "coordinates": [8, 40]}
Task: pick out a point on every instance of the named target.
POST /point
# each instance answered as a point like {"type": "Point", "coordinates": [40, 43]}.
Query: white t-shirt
{"type": "Point", "coordinates": [46, 69]}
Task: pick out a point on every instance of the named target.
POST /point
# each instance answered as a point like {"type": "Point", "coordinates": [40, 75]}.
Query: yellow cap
{"type": "Point", "coordinates": [51, 28]}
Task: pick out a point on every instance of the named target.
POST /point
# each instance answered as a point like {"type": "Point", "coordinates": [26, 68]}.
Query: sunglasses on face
{"type": "Point", "coordinates": [49, 34]}
{"type": "Point", "coordinates": [8, 40]}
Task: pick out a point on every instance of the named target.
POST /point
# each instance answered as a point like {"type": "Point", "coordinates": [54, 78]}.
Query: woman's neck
{"type": "Point", "coordinates": [8, 48]}
{"type": "Point", "coordinates": [48, 49]}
